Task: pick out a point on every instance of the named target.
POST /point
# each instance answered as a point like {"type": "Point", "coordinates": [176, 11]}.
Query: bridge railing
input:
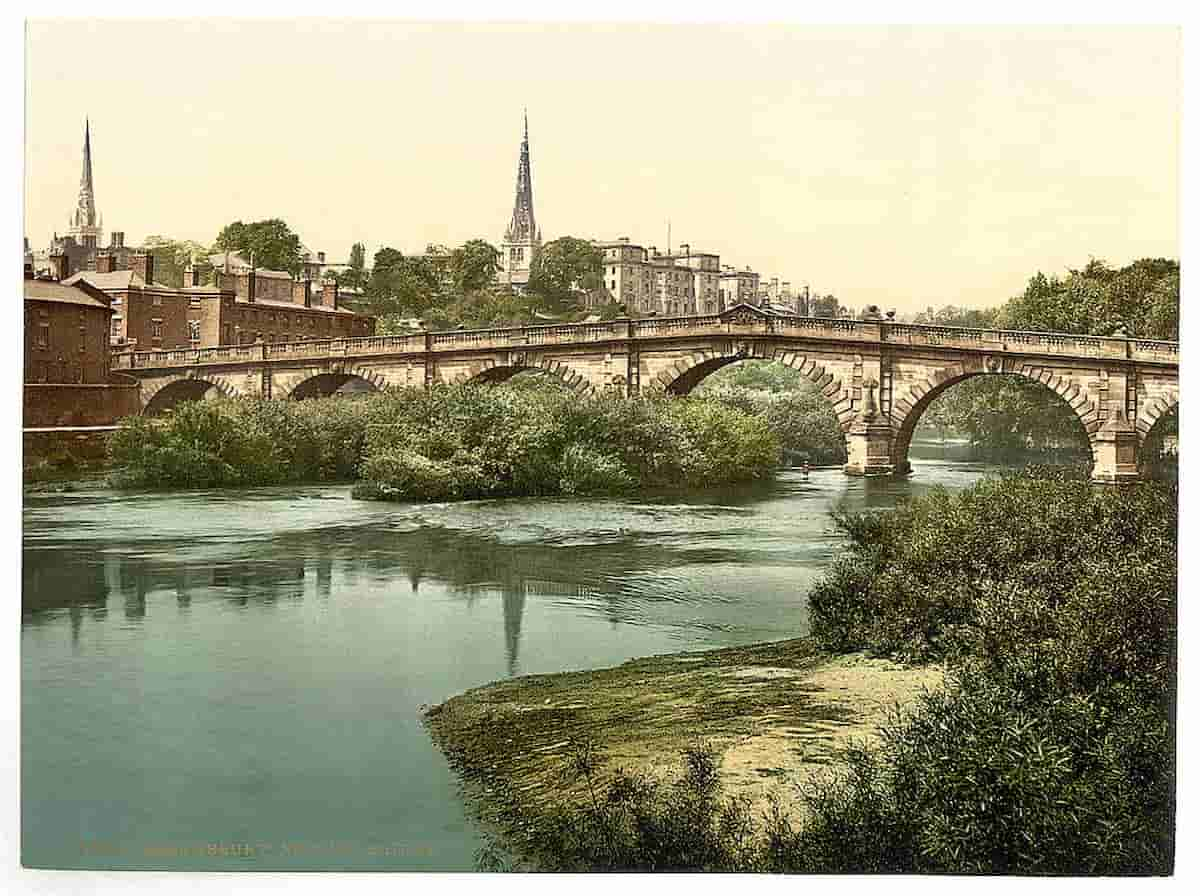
{"type": "Point", "coordinates": [740, 323]}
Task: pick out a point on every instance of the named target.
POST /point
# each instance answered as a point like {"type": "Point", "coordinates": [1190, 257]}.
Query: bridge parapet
{"type": "Point", "coordinates": [740, 322]}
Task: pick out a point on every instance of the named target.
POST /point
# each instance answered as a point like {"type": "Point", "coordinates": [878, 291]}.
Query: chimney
{"type": "Point", "coordinates": [329, 294]}
{"type": "Point", "coordinates": [623, 240]}
{"type": "Point", "coordinates": [686, 248]}
{"type": "Point", "coordinates": [142, 264]}
{"type": "Point", "coordinates": [302, 292]}
{"type": "Point", "coordinates": [251, 285]}
{"type": "Point", "coordinates": [106, 262]}
{"type": "Point", "coordinates": [191, 276]}
{"type": "Point", "coordinates": [29, 270]}
{"type": "Point", "coordinates": [117, 239]}
{"type": "Point", "coordinates": [320, 258]}
{"type": "Point", "coordinates": [60, 265]}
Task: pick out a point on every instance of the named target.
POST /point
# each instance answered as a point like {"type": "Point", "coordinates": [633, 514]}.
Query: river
{"type": "Point", "coordinates": [234, 680]}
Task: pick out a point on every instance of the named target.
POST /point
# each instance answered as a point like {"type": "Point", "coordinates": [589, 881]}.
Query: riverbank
{"type": "Point", "coordinates": [777, 715]}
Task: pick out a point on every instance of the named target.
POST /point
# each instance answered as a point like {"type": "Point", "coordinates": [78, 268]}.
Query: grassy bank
{"type": "Point", "coordinates": [1048, 749]}
{"type": "Point", "coordinates": [449, 444]}
{"type": "Point", "coordinates": [775, 714]}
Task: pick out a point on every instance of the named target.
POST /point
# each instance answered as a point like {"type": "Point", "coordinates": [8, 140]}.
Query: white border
{"type": "Point", "coordinates": [745, 11]}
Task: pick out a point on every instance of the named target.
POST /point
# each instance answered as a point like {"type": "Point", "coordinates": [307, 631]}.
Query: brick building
{"type": "Point", "coordinates": [239, 307]}
{"type": "Point", "coordinates": [67, 377]}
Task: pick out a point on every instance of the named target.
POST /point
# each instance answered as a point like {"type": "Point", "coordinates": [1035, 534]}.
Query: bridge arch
{"type": "Point", "coordinates": [191, 388]}
{"type": "Point", "coordinates": [1160, 417]}
{"type": "Point", "coordinates": [687, 373]}
{"type": "Point", "coordinates": [908, 409]}
{"type": "Point", "coordinates": [491, 372]}
{"type": "Point", "coordinates": [328, 382]}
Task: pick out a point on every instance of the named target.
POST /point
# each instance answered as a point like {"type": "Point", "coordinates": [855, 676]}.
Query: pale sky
{"type": "Point", "coordinates": [898, 166]}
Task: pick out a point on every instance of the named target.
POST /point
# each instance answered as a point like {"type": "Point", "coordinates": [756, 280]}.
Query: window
{"type": "Point", "coordinates": [82, 339]}
{"type": "Point", "coordinates": [43, 339]}
{"type": "Point", "coordinates": [157, 300]}
{"type": "Point", "coordinates": [193, 330]}
{"type": "Point", "coordinates": [156, 329]}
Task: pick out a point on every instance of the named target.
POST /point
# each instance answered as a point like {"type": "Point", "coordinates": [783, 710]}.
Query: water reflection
{"type": "Point", "coordinates": [207, 666]}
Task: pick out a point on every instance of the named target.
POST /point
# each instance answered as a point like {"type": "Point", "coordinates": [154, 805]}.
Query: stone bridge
{"type": "Point", "coordinates": [879, 376]}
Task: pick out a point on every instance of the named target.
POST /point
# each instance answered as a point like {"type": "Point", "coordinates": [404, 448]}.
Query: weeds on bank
{"type": "Point", "coordinates": [1050, 750]}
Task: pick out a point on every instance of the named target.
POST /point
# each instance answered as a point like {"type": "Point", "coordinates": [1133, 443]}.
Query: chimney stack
{"type": "Point", "coordinates": [117, 239]}
{"type": "Point", "coordinates": [303, 288]}
{"type": "Point", "coordinates": [329, 294]}
{"type": "Point", "coordinates": [106, 262]}
{"type": "Point", "coordinates": [29, 270]}
{"type": "Point", "coordinates": [251, 285]}
{"type": "Point", "coordinates": [191, 276]}
{"type": "Point", "coordinates": [320, 258]}
{"type": "Point", "coordinates": [142, 264]}
{"type": "Point", "coordinates": [60, 265]}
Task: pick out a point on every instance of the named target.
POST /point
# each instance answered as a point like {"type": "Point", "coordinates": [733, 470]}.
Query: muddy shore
{"type": "Point", "coordinates": [777, 714]}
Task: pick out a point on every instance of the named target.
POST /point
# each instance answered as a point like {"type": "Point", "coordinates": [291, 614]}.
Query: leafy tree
{"type": "Point", "coordinates": [825, 306]}
{"type": "Point", "coordinates": [402, 285]}
{"type": "Point", "coordinates": [355, 276]}
{"type": "Point", "coordinates": [171, 257]}
{"type": "Point", "coordinates": [272, 244]}
{"type": "Point", "coordinates": [474, 265]}
{"type": "Point", "coordinates": [1142, 297]}
{"type": "Point", "coordinates": [564, 267]}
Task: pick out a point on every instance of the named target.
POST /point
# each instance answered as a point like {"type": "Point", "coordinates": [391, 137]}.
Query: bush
{"type": "Point", "coordinates": [448, 444]}
{"type": "Point", "coordinates": [1050, 750]}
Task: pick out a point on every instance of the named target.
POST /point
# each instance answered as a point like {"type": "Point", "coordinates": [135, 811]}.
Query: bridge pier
{"type": "Point", "coordinates": [1115, 451]}
{"type": "Point", "coordinates": [869, 440]}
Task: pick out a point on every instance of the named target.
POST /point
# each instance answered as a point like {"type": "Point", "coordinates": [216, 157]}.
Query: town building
{"type": "Point", "coordinates": [739, 287]}
{"type": "Point", "coordinates": [68, 381]}
{"type": "Point", "coordinates": [523, 239]}
{"type": "Point", "coordinates": [241, 306]}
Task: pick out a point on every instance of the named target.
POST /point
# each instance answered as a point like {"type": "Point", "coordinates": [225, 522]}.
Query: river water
{"type": "Point", "coordinates": [233, 680]}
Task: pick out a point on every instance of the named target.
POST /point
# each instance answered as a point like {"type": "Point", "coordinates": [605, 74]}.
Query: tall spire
{"type": "Point", "coordinates": [85, 182]}
{"type": "Point", "coordinates": [523, 227]}
{"type": "Point", "coordinates": [83, 222]}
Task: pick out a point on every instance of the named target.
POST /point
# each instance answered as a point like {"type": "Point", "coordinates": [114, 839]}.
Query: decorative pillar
{"type": "Point", "coordinates": [869, 442]}
{"type": "Point", "coordinates": [1115, 448]}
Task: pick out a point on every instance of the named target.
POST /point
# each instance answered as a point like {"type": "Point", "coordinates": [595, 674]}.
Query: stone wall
{"type": "Point", "coordinates": [75, 404]}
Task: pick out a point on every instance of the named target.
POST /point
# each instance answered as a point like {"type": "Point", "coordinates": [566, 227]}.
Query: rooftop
{"type": "Point", "coordinates": [53, 291]}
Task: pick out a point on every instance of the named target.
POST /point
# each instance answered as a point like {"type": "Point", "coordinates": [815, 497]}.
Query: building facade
{"type": "Point", "coordinates": [240, 307]}
{"type": "Point", "coordinates": [67, 374]}
{"type": "Point", "coordinates": [739, 287]}
{"type": "Point", "coordinates": [523, 239]}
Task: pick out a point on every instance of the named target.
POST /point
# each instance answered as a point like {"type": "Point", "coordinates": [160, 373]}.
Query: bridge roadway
{"type": "Point", "coordinates": [879, 376]}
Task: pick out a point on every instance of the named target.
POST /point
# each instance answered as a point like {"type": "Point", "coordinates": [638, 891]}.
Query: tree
{"type": "Point", "coordinates": [272, 244]}
{"type": "Point", "coordinates": [564, 267]}
{"type": "Point", "coordinates": [1142, 297]}
{"type": "Point", "coordinates": [400, 285]}
{"type": "Point", "coordinates": [825, 306]}
{"type": "Point", "coordinates": [171, 257]}
{"type": "Point", "coordinates": [355, 276]}
{"type": "Point", "coordinates": [474, 265]}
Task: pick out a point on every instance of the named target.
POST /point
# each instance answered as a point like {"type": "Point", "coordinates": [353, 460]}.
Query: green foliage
{"type": "Point", "coordinates": [1143, 297]}
{"type": "Point", "coordinates": [1050, 750]}
{"type": "Point", "coordinates": [790, 405]}
{"type": "Point", "coordinates": [923, 580]}
{"type": "Point", "coordinates": [355, 276]}
{"type": "Point", "coordinates": [492, 442]}
{"type": "Point", "coordinates": [634, 823]}
{"type": "Point", "coordinates": [1007, 416]}
{"type": "Point", "coordinates": [171, 257]}
{"type": "Point", "coordinates": [474, 265]}
{"type": "Point", "coordinates": [955, 316]}
{"type": "Point", "coordinates": [271, 243]}
{"type": "Point", "coordinates": [564, 267]}
{"type": "Point", "coordinates": [448, 444]}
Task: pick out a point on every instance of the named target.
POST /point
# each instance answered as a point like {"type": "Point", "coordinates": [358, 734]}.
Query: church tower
{"type": "Point", "coordinates": [85, 226]}
{"type": "Point", "coordinates": [522, 240]}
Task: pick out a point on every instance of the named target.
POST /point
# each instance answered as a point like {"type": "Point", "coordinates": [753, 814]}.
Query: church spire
{"type": "Point", "coordinates": [84, 225]}
{"type": "Point", "coordinates": [523, 227]}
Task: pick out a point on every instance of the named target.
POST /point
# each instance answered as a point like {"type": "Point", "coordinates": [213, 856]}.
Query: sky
{"type": "Point", "coordinates": [903, 167]}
